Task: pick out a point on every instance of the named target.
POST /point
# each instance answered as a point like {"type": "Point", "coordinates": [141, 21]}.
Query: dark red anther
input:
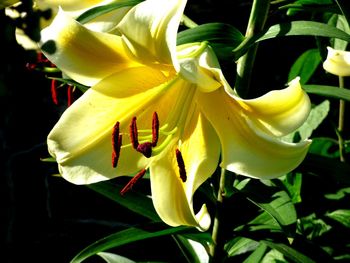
{"type": "Point", "coordinates": [133, 181]}
{"type": "Point", "coordinates": [145, 148]}
{"type": "Point", "coordinates": [155, 129]}
{"type": "Point", "coordinates": [54, 91]}
{"type": "Point", "coordinates": [69, 95]}
{"type": "Point", "coordinates": [181, 165]}
{"type": "Point", "coordinates": [133, 133]}
{"type": "Point", "coordinates": [116, 144]}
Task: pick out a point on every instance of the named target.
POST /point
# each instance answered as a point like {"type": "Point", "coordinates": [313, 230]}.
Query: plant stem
{"type": "Point", "coordinates": [341, 123]}
{"type": "Point", "coordinates": [216, 249]}
{"type": "Point", "coordinates": [257, 19]}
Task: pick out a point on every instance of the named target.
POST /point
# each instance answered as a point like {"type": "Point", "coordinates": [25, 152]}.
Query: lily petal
{"type": "Point", "coordinates": [279, 112]}
{"type": "Point", "coordinates": [72, 5]}
{"type": "Point", "coordinates": [150, 30]}
{"type": "Point", "coordinates": [337, 62]}
{"type": "Point", "coordinates": [173, 198]}
{"type": "Point", "coordinates": [83, 55]}
{"type": "Point", "coordinates": [247, 150]}
{"type": "Point", "coordinates": [81, 140]}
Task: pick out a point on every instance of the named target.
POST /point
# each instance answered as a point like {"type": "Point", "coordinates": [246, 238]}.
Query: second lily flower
{"type": "Point", "coordinates": [153, 105]}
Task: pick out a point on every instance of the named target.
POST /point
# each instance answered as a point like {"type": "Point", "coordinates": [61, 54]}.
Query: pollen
{"type": "Point", "coordinates": [116, 144]}
{"type": "Point", "coordinates": [133, 133]}
{"type": "Point", "coordinates": [155, 129]}
{"type": "Point", "coordinates": [181, 165]}
{"type": "Point", "coordinates": [132, 182]}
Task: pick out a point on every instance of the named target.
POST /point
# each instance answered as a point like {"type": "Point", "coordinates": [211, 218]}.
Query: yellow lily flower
{"type": "Point", "coordinates": [168, 109]}
{"type": "Point", "coordinates": [337, 62]}
{"type": "Point", "coordinates": [102, 23]}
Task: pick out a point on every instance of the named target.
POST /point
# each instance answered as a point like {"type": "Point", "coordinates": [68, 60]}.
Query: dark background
{"type": "Point", "coordinates": [46, 219]}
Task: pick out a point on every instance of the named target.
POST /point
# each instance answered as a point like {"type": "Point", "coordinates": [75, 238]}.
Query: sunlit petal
{"type": "Point", "coordinates": [246, 149]}
{"type": "Point", "coordinates": [82, 137]}
{"type": "Point", "coordinates": [279, 112]}
{"type": "Point", "coordinates": [85, 56]}
{"type": "Point", "coordinates": [173, 197]}
{"type": "Point", "coordinates": [337, 62]}
{"type": "Point", "coordinates": [150, 29]}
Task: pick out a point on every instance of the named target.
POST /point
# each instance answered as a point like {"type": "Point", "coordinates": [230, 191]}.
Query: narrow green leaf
{"type": "Point", "coordinates": [240, 245]}
{"type": "Point", "coordinates": [324, 146]}
{"type": "Point", "coordinates": [125, 237]}
{"type": "Point", "coordinates": [328, 91]}
{"type": "Point", "coordinates": [339, 194]}
{"type": "Point", "coordinates": [134, 201]}
{"type": "Point", "coordinates": [305, 65]}
{"type": "Point", "coordinates": [294, 28]}
{"type": "Point", "coordinates": [329, 167]}
{"type": "Point", "coordinates": [103, 9]}
{"type": "Point", "coordinates": [289, 252]}
{"type": "Point", "coordinates": [257, 255]}
{"type": "Point", "coordinates": [193, 251]}
{"type": "Point", "coordinates": [223, 38]}
{"type": "Point", "coordinates": [341, 215]}
{"type": "Point", "coordinates": [280, 209]}
{"type": "Point", "coordinates": [345, 8]}
{"type": "Point", "coordinates": [317, 114]}
{"type": "Point", "coordinates": [114, 258]}
{"type": "Point", "coordinates": [293, 184]}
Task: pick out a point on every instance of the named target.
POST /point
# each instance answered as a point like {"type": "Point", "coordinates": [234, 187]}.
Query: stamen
{"type": "Point", "coordinates": [133, 181]}
{"type": "Point", "coordinates": [145, 148]}
{"type": "Point", "coordinates": [69, 95]}
{"type": "Point", "coordinates": [54, 91]}
{"type": "Point", "coordinates": [155, 129]}
{"type": "Point", "coordinates": [181, 165]}
{"type": "Point", "coordinates": [133, 133]}
{"type": "Point", "coordinates": [116, 144]}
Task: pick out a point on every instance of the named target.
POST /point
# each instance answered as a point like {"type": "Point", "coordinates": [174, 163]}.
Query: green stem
{"type": "Point", "coordinates": [216, 249]}
{"type": "Point", "coordinates": [188, 22]}
{"type": "Point", "coordinates": [341, 123]}
{"type": "Point", "coordinates": [256, 23]}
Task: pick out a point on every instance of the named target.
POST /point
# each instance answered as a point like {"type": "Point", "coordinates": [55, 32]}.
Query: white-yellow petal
{"type": "Point", "coordinates": [246, 149]}
{"type": "Point", "coordinates": [150, 29]}
{"type": "Point", "coordinates": [197, 64]}
{"type": "Point", "coordinates": [81, 140]}
{"type": "Point", "coordinates": [83, 55]}
{"type": "Point", "coordinates": [173, 198]}
{"type": "Point", "coordinates": [279, 112]}
{"type": "Point", "coordinates": [337, 62]}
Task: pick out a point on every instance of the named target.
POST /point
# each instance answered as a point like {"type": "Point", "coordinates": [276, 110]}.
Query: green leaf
{"type": "Point", "coordinates": [342, 24]}
{"type": "Point", "coordinates": [113, 258]}
{"type": "Point", "coordinates": [329, 167]}
{"type": "Point", "coordinates": [103, 9]}
{"type": "Point", "coordinates": [312, 227]}
{"type": "Point", "coordinates": [240, 245]}
{"type": "Point", "coordinates": [273, 256]}
{"type": "Point", "coordinates": [341, 215]}
{"type": "Point", "coordinates": [328, 91]}
{"type": "Point", "coordinates": [257, 255]}
{"type": "Point", "coordinates": [293, 184]}
{"type": "Point", "coordinates": [126, 236]}
{"type": "Point", "coordinates": [289, 252]}
{"type": "Point", "coordinates": [345, 8]}
{"type": "Point", "coordinates": [223, 38]}
{"type": "Point", "coordinates": [339, 194]}
{"type": "Point", "coordinates": [310, 6]}
{"type": "Point", "coordinates": [315, 118]}
{"type": "Point", "coordinates": [305, 65]}
{"type": "Point", "coordinates": [194, 251]}
{"type": "Point", "coordinates": [327, 147]}
{"type": "Point", "coordinates": [294, 28]}
{"type": "Point", "coordinates": [134, 201]}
